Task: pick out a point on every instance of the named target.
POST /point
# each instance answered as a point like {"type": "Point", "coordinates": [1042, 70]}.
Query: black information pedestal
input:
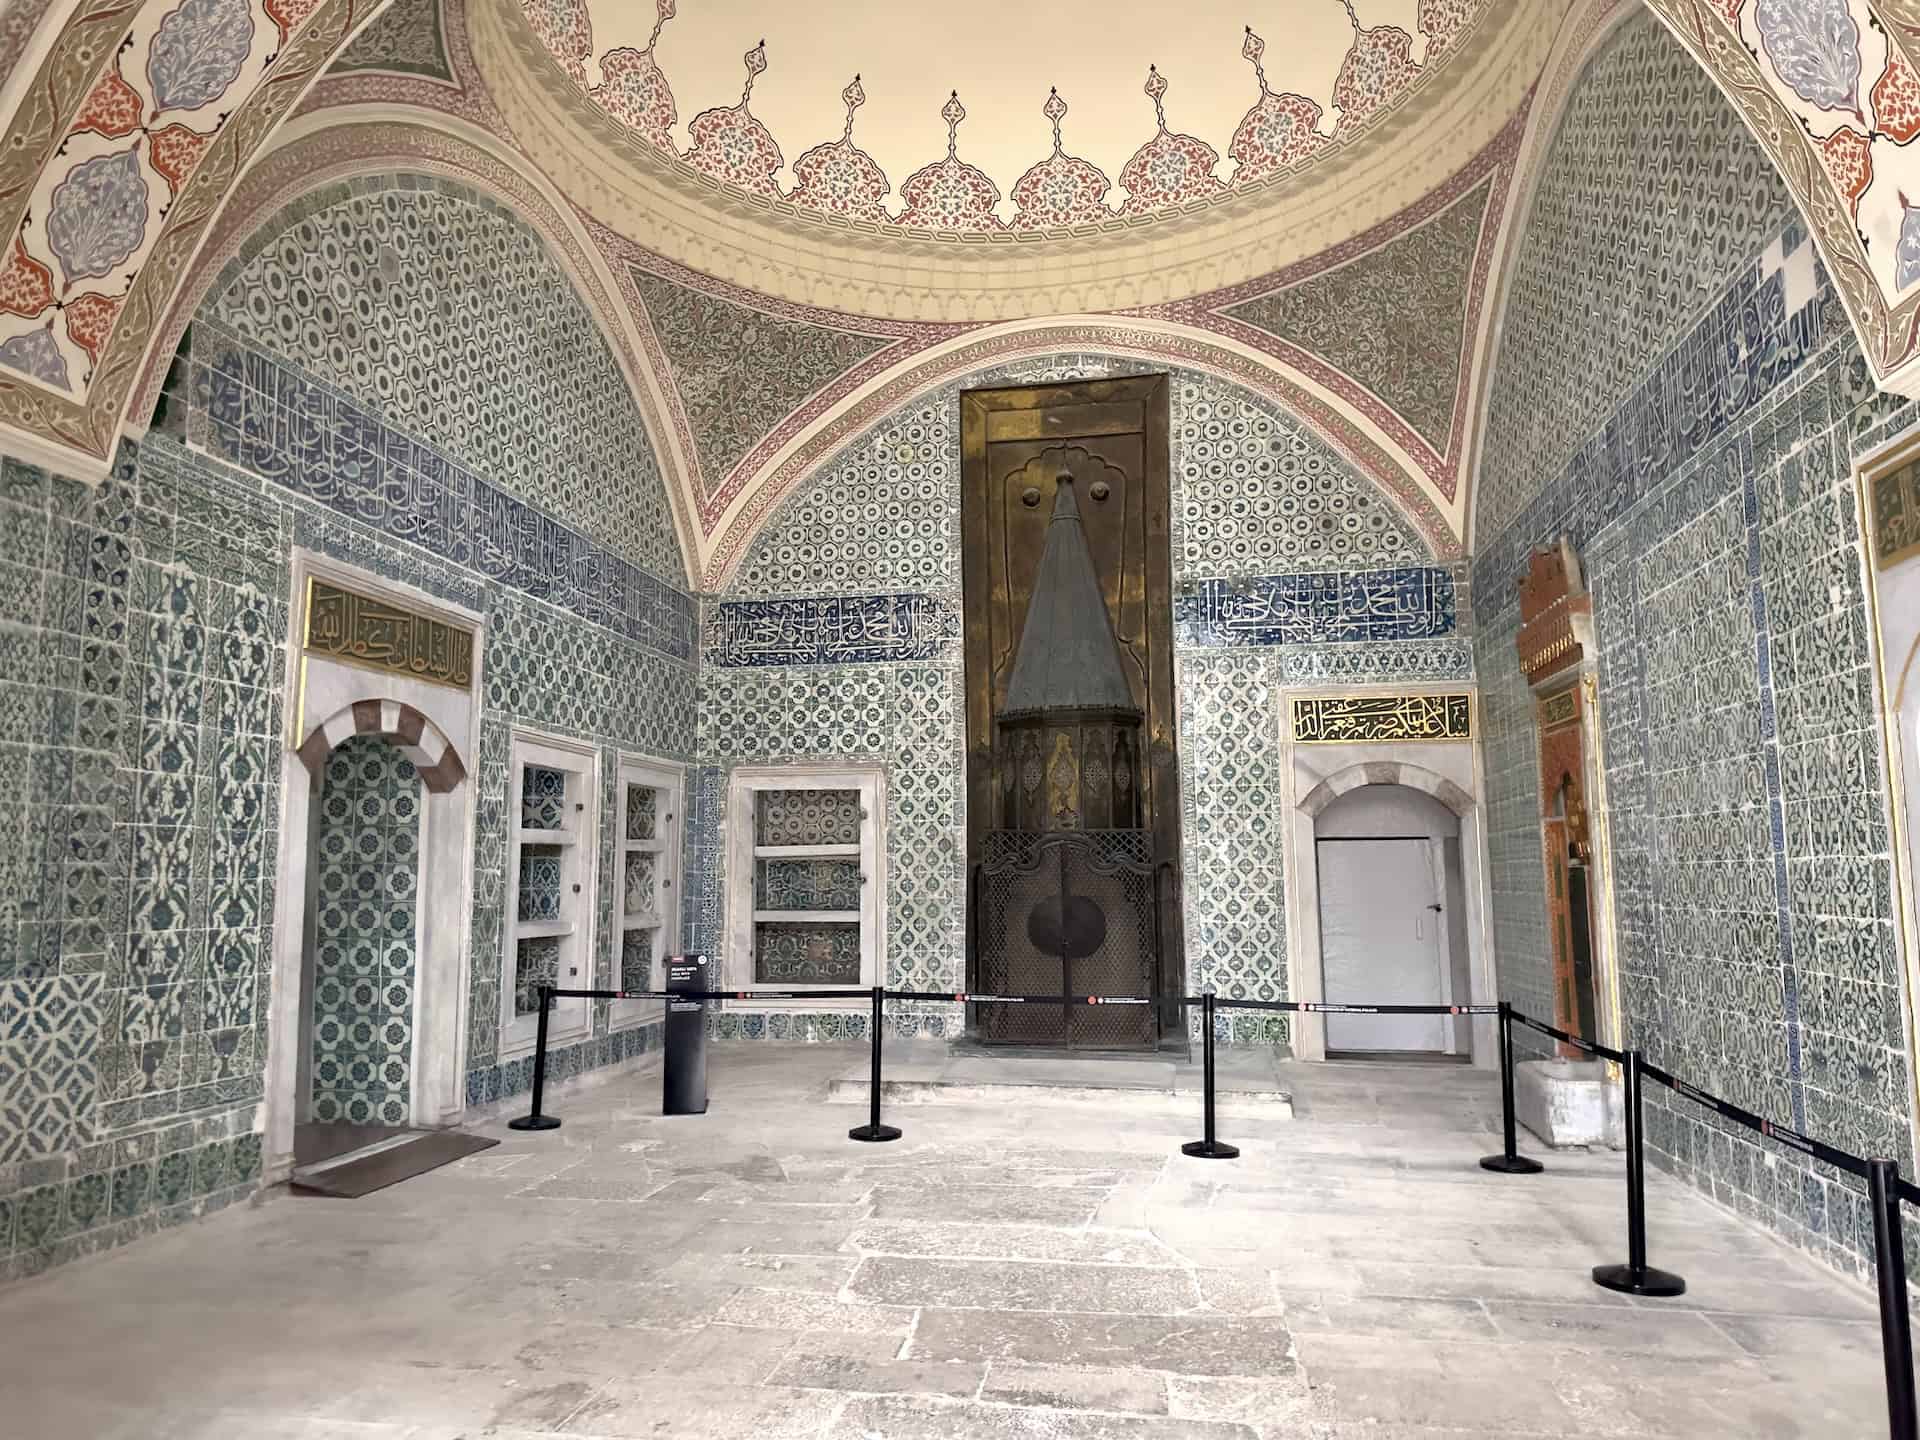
{"type": "Point", "coordinates": [684, 1089]}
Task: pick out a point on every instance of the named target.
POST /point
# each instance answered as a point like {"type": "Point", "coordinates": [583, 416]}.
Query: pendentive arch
{"type": "Point", "coordinates": [335, 145]}
{"type": "Point", "coordinates": [1157, 342]}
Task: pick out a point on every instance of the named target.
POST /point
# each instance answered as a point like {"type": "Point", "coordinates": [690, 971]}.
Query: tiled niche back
{"type": "Point", "coordinates": [366, 897]}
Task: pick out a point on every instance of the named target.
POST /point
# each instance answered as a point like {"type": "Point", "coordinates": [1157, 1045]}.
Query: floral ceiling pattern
{"type": "Point", "coordinates": [1280, 131]}
{"type": "Point", "coordinates": [92, 217]}
{"type": "Point", "coordinates": [1832, 90]}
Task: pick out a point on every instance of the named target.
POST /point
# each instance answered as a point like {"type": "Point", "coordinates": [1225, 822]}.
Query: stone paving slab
{"type": "Point", "coordinates": [1016, 1275]}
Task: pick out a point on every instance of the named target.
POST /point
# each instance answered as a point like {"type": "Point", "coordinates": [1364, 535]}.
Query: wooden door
{"type": "Point", "coordinates": [1111, 436]}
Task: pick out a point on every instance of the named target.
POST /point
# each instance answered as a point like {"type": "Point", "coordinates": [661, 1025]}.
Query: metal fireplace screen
{"type": "Point", "coordinates": [1067, 914]}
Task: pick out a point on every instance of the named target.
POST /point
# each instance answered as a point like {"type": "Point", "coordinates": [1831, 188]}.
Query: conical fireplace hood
{"type": "Point", "coordinates": [1069, 658]}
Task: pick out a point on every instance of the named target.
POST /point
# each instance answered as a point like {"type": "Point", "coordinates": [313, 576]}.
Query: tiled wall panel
{"type": "Point", "coordinates": [142, 664]}
{"type": "Point", "coordinates": [1713, 504]}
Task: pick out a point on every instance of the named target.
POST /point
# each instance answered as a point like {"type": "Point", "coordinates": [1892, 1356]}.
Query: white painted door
{"type": "Point", "coordinates": [1380, 941]}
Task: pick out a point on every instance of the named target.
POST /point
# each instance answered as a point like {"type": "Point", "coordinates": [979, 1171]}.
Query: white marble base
{"type": "Point", "coordinates": [1569, 1102]}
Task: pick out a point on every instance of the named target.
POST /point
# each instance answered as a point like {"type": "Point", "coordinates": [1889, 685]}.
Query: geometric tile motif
{"type": "Point", "coordinates": [1394, 319]}
{"type": "Point", "coordinates": [1233, 824]}
{"type": "Point", "coordinates": [446, 314]}
{"type": "Point", "coordinates": [367, 853]}
{"type": "Point", "coordinates": [1607, 276]}
{"type": "Point", "coordinates": [1253, 491]}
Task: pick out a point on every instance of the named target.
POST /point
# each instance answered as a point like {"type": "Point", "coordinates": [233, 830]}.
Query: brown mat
{"type": "Point", "coordinates": [315, 1143]}
{"type": "Point", "coordinates": [389, 1167]}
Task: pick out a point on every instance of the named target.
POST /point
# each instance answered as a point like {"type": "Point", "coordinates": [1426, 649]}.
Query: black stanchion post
{"type": "Point", "coordinates": [533, 1119]}
{"type": "Point", "coordinates": [1509, 1161]}
{"type": "Point", "coordinates": [1208, 1148]}
{"type": "Point", "coordinates": [1890, 1272]}
{"type": "Point", "coordinates": [873, 1130]}
{"type": "Point", "coordinates": [1636, 1277]}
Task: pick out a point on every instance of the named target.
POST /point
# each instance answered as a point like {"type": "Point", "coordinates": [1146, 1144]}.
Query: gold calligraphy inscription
{"type": "Point", "coordinates": [362, 631]}
{"type": "Point", "coordinates": [1896, 514]}
{"type": "Point", "coordinates": [1345, 719]}
{"type": "Point", "coordinates": [1557, 710]}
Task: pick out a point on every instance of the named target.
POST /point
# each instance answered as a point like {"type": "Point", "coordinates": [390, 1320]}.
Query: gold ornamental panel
{"type": "Point", "coordinates": [1896, 514]}
{"type": "Point", "coordinates": [1558, 710]}
{"type": "Point", "coordinates": [359, 630]}
{"type": "Point", "coordinates": [1347, 719]}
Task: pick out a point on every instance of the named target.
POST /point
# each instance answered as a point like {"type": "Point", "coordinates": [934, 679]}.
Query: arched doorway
{"type": "Point", "coordinates": [1392, 921]}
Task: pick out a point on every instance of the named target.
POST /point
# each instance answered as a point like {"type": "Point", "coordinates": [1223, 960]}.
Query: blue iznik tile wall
{"type": "Point", "coordinates": [366, 884]}
{"type": "Point", "coordinates": [142, 665]}
{"type": "Point", "coordinates": [1710, 494]}
{"type": "Point", "coordinates": [839, 637]}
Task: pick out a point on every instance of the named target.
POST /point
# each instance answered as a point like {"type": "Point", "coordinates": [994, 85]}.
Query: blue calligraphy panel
{"type": "Point", "coordinates": [274, 421]}
{"type": "Point", "coordinates": [829, 630]}
{"type": "Point", "coordinates": [1320, 608]}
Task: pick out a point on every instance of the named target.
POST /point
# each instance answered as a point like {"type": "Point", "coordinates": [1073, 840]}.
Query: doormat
{"type": "Point", "coordinates": [354, 1178]}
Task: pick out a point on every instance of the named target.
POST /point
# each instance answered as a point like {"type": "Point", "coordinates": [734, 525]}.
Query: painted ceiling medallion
{"type": "Point", "coordinates": [951, 194]}
{"type": "Point", "coordinates": [839, 178]}
{"type": "Point", "coordinates": [1377, 71]}
{"type": "Point", "coordinates": [1279, 131]}
{"type": "Point", "coordinates": [634, 89]}
{"type": "Point", "coordinates": [730, 145]}
{"type": "Point", "coordinates": [566, 29]}
{"type": "Point", "coordinates": [1063, 189]}
{"type": "Point", "coordinates": [197, 53]}
{"type": "Point", "coordinates": [1171, 168]}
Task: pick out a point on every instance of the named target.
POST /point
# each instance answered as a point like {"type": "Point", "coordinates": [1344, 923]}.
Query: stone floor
{"type": "Point", "coordinates": [1058, 1275]}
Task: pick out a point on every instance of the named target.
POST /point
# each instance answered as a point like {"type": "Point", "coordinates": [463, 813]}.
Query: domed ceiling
{"type": "Point", "coordinates": [1000, 114]}
{"type": "Point", "coordinates": [1001, 161]}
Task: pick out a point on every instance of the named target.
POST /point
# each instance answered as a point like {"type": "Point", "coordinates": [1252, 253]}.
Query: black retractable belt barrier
{"type": "Point", "coordinates": [1636, 1277]}
{"type": "Point", "coordinates": [1509, 1161]}
{"type": "Point", "coordinates": [873, 1130]}
{"type": "Point", "coordinates": [1890, 1274]}
{"type": "Point", "coordinates": [1885, 1191]}
{"type": "Point", "coordinates": [1208, 1148]}
{"type": "Point", "coordinates": [533, 1119]}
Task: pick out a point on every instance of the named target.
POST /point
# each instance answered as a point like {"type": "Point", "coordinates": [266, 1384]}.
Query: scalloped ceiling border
{"type": "Point", "coordinates": [774, 248]}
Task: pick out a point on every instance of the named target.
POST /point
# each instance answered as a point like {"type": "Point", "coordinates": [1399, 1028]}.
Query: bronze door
{"type": "Point", "coordinates": [1111, 436]}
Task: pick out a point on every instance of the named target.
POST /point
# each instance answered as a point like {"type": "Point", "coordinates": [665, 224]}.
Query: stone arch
{"type": "Point", "coordinates": [1160, 341]}
{"type": "Point", "coordinates": [419, 739]}
{"type": "Point", "coordinates": [1387, 772]}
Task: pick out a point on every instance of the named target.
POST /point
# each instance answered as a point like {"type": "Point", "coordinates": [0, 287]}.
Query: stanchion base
{"type": "Point", "coordinates": [534, 1122]}
{"type": "Point", "coordinates": [1511, 1164]}
{"type": "Point", "coordinates": [1210, 1150]}
{"type": "Point", "coordinates": [874, 1133]}
{"type": "Point", "coordinates": [1628, 1281]}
